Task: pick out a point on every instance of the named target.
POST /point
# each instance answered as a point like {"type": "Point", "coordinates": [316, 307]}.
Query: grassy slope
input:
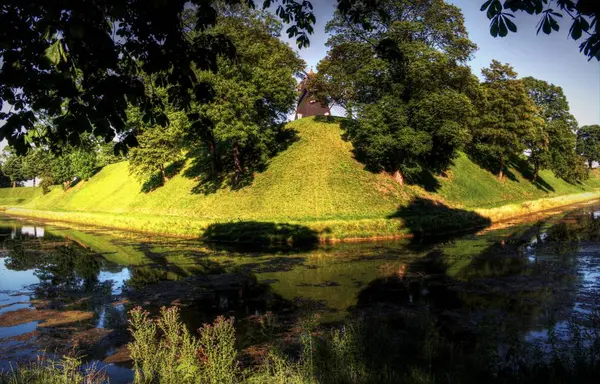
{"type": "Point", "coordinates": [470, 186]}
{"type": "Point", "coordinates": [315, 180]}
{"type": "Point", "coordinates": [11, 197]}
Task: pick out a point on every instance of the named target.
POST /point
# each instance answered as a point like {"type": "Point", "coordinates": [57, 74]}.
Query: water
{"type": "Point", "coordinates": [62, 287]}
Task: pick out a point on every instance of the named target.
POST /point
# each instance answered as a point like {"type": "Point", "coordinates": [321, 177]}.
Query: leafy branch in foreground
{"type": "Point", "coordinates": [79, 62]}
{"type": "Point", "coordinates": [583, 14]}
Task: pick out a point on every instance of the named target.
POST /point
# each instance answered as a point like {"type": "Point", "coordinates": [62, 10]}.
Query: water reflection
{"type": "Point", "coordinates": [507, 283]}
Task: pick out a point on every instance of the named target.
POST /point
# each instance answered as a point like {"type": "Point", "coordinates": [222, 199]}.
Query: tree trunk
{"type": "Point", "coordinates": [215, 166]}
{"type": "Point", "coordinates": [34, 181]}
{"type": "Point", "coordinates": [398, 177]}
{"type": "Point", "coordinates": [14, 184]}
{"type": "Point", "coordinates": [536, 170]}
{"type": "Point", "coordinates": [164, 174]}
{"type": "Point", "coordinates": [501, 173]}
{"type": "Point", "coordinates": [236, 162]}
{"type": "Point", "coordinates": [590, 163]}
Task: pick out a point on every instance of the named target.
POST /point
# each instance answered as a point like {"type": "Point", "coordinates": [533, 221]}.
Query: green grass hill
{"type": "Point", "coordinates": [315, 179]}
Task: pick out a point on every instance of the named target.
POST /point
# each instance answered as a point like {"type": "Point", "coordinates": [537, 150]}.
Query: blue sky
{"type": "Point", "coordinates": [553, 58]}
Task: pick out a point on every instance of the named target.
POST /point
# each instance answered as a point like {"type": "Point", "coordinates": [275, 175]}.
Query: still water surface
{"type": "Point", "coordinates": [63, 288]}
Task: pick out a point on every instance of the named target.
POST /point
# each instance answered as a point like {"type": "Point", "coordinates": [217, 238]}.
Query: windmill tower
{"type": "Point", "coordinates": [308, 106]}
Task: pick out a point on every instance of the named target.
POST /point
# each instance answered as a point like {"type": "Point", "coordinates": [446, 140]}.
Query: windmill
{"type": "Point", "coordinates": [307, 105]}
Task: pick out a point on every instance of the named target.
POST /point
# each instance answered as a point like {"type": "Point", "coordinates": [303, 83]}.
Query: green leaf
{"type": "Point", "coordinates": [56, 54]}
{"type": "Point", "coordinates": [546, 27]}
{"type": "Point", "coordinates": [554, 24]}
{"type": "Point", "coordinates": [485, 5]}
{"type": "Point", "coordinates": [512, 26]}
{"type": "Point", "coordinates": [575, 32]}
{"type": "Point", "coordinates": [494, 28]}
{"type": "Point", "coordinates": [502, 30]}
{"type": "Point", "coordinates": [53, 53]}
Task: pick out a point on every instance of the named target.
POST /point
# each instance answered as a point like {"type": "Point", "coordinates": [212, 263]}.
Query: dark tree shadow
{"type": "Point", "coordinates": [525, 170]}
{"type": "Point", "coordinates": [426, 178]}
{"type": "Point", "coordinates": [491, 165]}
{"type": "Point", "coordinates": [156, 180]}
{"type": "Point", "coordinates": [430, 220]}
{"type": "Point", "coordinates": [514, 164]}
{"type": "Point", "coordinates": [213, 175]}
{"type": "Point", "coordinates": [261, 236]}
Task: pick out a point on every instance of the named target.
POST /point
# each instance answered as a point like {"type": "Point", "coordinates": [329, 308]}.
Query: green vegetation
{"type": "Point", "coordinates": [92, 73]}
{"type": "Point", "coordinates": [225, 167]}
{"type": "Point", "coordinates": [225, 139]}
{"type": "Point", "coordinates": [67, 370]}
{"type": "Point", "coordinates": [13, 197]}
{"type": "Point", "coordinates": [588, 143]}
{"type": "Point", "coordinates": [316, 178]}
{"type": "Point", "coordinates": [471, 186]}
{"type": "Point", "coordinates": [361, 350]}
{"type": "Point", "coordinates": [508, 122]}
{"type": "Point", "coordinates": [315, 183]}
{"type": "Point", "coordinates": [406, 84]}
{"type": "Point", "coordinates": [583, 14]}
{"type": "Point", "coordinates": [551, 147]}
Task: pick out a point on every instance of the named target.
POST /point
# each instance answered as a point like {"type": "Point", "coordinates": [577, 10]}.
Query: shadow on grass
{"type": "Point", "coordinates": [523, 168]}
{"type": "Point", "coordinates": [432, 221]}
{"type": "Point", "coordinates": [261, 236]}
{"type": "Point", "coordinates": [513, 165]}
{"type": "Point", "coordinates": [216, 171]}
{"type": "Point", "coordinates": [425, 178]}
{"type": "Point", "coordinates": [156, 180]}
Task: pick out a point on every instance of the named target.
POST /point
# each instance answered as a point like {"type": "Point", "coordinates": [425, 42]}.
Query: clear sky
{"type": "Point", "coordinates": [553, 58]}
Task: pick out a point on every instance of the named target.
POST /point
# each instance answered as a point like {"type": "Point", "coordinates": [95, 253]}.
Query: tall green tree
{"type": "Point", "coordinates": [588, 143]}
{"type": "Point", "coordinates": [12, 166]}
{"type": "Point", "coordinates": [240, 128]}
{"type": "Point", "coordinates": [158, 147]}
{"type": "Point", "coordinates": [509, 120]}
{"type": "Point", "coordinates": [556, 149]}
{"type": "Point", "coordinates": [84, 163]}
{"type": "Point", "coordinates": [402, 76]}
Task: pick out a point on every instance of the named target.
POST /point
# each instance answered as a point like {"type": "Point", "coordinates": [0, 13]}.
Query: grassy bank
{"type": "Point", "coordinates": [315, 189]}
{"type": "Point", "coordinates": [439, 219]}
{"type": "Point", "coordinates": [14, 197]}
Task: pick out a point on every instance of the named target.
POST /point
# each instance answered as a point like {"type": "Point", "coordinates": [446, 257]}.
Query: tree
{"type": "Point", "coordinates": [12, 166]}
{"type": "Point", "coordinates": [402, 76]}
{"type": "Point", "coordinates": [509, 120]}
{"type": "Point", "coordinates": [556, 149]}
{"type": "Point", "coordinates": [158, 147]}
{"type": "Point", "coordinates": [62, 170]}
{"type": "Point", "coordinates": [78, 62]}
{"type": "Point", "coordinates": [5, 181]}
{"type": "Point", "coordinates": [106, 155]}
{"type": "Point", "coordinates": [588, 143]}
{"type": "Point", "coordinates": [84, 163]}
{"type": "Point", "coordinates": [583, 13]}
{"type": "Point", "coordinates": [241, 126]}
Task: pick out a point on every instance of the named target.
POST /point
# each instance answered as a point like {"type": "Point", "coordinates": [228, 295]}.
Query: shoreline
{"type": "Point", "coordinates": [445, 222]}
